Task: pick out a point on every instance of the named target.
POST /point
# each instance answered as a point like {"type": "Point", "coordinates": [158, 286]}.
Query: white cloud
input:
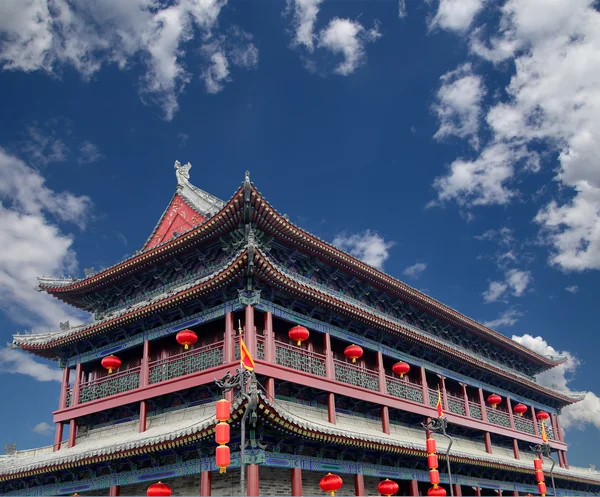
{"type": "Point", "coordinates": [572, 289]}
{"type": "Point", "coordinates": [346, 37]}
{"type": "Point", "coordinates": [305, 16]}
{"type": "Point", "coordinates": [17, 362]}
{"type": "Point", "coordinates": [89, 153]}
{"type": "Point", "coordinates": [415, 271]}
{"type": "Point", "coordinates": [576, 415]}
{"type": "Point", "coordinates": [42, 146]}
{"type": "Point", "coordinates": [507, 318]}
{"type": "Point", "coordinates": [216, 74]}
{"type": "Point", "coordinates": [368, 246]}
{"type": "Point", "coordinates": [504, 236]}
{"type": "Point", "coordinates": [458, 105]}
{"type": "Point", "coordinates": [43, 35]}
{"type": "Point", "coordinates": [456, 15]}
{"type": "Point", "coordinates": [43, 428]}
{"type": "Point", "coordinates": [516, 282]}
{"type": "Point", "coordinates": [402, 12]}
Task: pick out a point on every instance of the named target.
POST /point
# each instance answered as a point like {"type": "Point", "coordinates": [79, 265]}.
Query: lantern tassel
{"type": "Point", "coordinates": [332, 494]}
{"type": "Point", "coordinates": [354, 359]}
{"type": "Point", "coordinates": [223, 470]}
{"type": "Point", "coordinates": [186, 346]}
{"type": "Point", "coordinates": [299, 342]}
{"type": "Point", "coordinates": [109, 370]}
{"type": "Point", "coordinates": [401, 375]}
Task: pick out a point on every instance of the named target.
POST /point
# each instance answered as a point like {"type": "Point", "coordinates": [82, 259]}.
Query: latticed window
{"type": "Point", "coordinates": [111, 385]}
{"type": "Point", "coordinates": [475, 410]}
{"type": "Point", "coordinates": [499, 418]}
{"type": "Point", "coordinates": [456, 405]}
{"type": "Point", "coordinates": [404, 390]}
{"type": "Point", "coordinates": [524, 425]}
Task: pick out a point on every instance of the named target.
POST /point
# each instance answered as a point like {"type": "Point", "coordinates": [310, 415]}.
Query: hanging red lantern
{"type": "Point", "coordinates": [539, 476]}
{"type": "Point", "coordinates": [494, 399]}
{"type": "Point", "coordinates": [223, 410]}
{"type": "Point", "coordinates": [331, 483]}
{"type": "Point", "coordinates": [222, 433]}
{"type": "Point", "coordinates": [436, 492]}
{"type": "Point", "coordinates": [111, 362]}
{"type": "Point", "coordinates": [223, 458]}
{"type": "Point", "coordinates": [158, 489]}
{"type": "Point", "coordinates": [401, 368]}
{"type": "Point", "coordinates": [431, 445]}
{"type": "Point", "coordinates": [388, 487]}
{"type": "Point", "coordinates": [434, 477]}
{"type": "Point", "coordinates": [432, 461]}
{"type": "Point", "coordinates": [542, 488]}
{"type": "Point", "coordinates": [520, 409]}
{"type": "Point", "coordinates": [353, 352]}
{"type": "Point", "coordinates": [298, 334]}
{"type": "Point", "coordinates": [186, 338]}
{"type": "Point", "coordinates": [537, 464]}
{"type": "Point", "coordinates": [542, 415]}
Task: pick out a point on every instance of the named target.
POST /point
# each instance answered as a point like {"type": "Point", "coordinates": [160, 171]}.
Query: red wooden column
{"type": "Point", "coordinates": [444, 393]}
{"type": "Point", "coordinates": [414, 487]}
{"type": "Point", "coordinates": [536, 430]}
{"type": "Point", "coordinates": [250, 331]}
{"type": "Point", "coordinates": [205, 483]}
{"type": "Point", "coordinates": [511, 417]}
{"type": "Point", "coordinates": [457, 490]}
{"type": "Point", "coordinates": [554, 430]}
{"type": "Point", "coordinates": [72, 433]}
{"type": "Point", "coordinates": [58, 434]}
{"type": "Point", "coordinates": [114, 490]}
{"type": "Point", "coordinates": [74, 402]}
{"type": "Point", "coordinates": [488, 442]}
{"type": "Point", "coordinates": [296, 481]}
{"type": "Point", "coordinates": [424, 386]}
{"type": "Point", "coordinates": [478, 491]}
{"type": "Point", "coordinates": [559, 430]}
{"type": "Point", "coordinates": [330, 375]}
{"type": "Point", "coordinates": [228, 347]}
{"type": "Point", "coordinates": [62, 403]}
{"type": "Point", "coordinates": [483, 406]}
{"type": "Point", "coordinates": [269, 352]}
{"type": "Point", "coordinates": [144, 380]}
{"type": "Point", "coordinates": [252, 488]}
{"type": "Point", "coordinates": [516, 492]}
{"type": "Point", "coordinates": [565, 459]}
{"type": "Point", "coordinates": [516, 449]}
{"type": "Point", "coordinates": [466, 397]}
{"type": "Point", "coordinates": [385, 412]}
{"type": "Point", "coordinates": [359, 484]}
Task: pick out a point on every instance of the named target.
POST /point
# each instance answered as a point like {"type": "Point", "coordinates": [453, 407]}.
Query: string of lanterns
{"type": "Point", "coordinates": [539, 476]}
{"type": "Point", "coordinates": [434, 475]}
{"type": "Point", "coordinates": [222, 435]}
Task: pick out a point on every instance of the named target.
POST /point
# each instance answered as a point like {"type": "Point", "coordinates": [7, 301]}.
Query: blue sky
{"type": "Point", "coordinates": [452, 143]}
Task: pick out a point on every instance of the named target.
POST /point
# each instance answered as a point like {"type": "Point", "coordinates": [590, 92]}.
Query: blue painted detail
{"type": "Point", "coordinates": [154, 476]}
{"type": "Point", "coordinates": [334, 331]}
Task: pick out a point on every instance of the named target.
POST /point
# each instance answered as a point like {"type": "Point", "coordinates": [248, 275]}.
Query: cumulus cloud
{"type": "Point", "coordinates": [572, 289]}
{"type": "Point", "coordinates": [305, 16]}
{"type": "Point", "coordinates": [49, 35]}
{"type": "Point", "coordinates": [43, 146]}
{"type": "Point", "coordinates": [456, 15]}
{"type": "Point", "coordinates": [89, 153]}
{"type": "Point", "coordinates": [368, 246]}
{"type": "Point", "coordinates": [558, 378]}
{"type": "Point", "coordinates": [516, 282]}
{"type": "Point", "coordinates": [416, 270]}
{"type": "Point", "coordinates": [43, 428]}
{"type": "Point", "coordinates": [346, 37]}
{"type": "Point", "coordinates": [458, 105]}
{"type": "Point", "coordinates": [17, 362]}
{"type": "Point", "coordinates": [507, 318]}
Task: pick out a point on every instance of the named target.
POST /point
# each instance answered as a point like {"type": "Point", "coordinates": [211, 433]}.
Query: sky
{"type": "Point", "coordinates": [451, 143]}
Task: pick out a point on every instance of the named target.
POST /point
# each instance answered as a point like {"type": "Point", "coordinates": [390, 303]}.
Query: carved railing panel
{"type": "Point", "coordinates": [112, 384]}
{"type": "Point", "coordinates": [295, 357]}
{"type": "Point", "coordinates": [260, 347]}
{"type": "Point", "coordinates": [549, 431]}
{"type": "Point", "coordinates": [433, 398]}
{"type": "Point", "coordinates": [188, 362]}
{"type": "Point", "coordinates": [475, 410]}
{"type": "Point", "coordinates": [523, 424]}
{"type": "Point", "coordinates": [456, 405]}
{"type": "Point", "coordinates": [498, 417]}
{"type": "Point", "coordinates": [404, 389]}
{"type": "Point", "coordinates": [69, 396]}
{"type": "Point", "coordinates": [355, 375]}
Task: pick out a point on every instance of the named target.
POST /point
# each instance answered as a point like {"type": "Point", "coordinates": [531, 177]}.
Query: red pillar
{"type": "Point", "coordinates": [516, 449]}
{"type": "Point", "coordinates": [516, 492]}
{"type": "Point", "coordinates": [76, 385]}
{"type": "Point", "coordinates": [296, 481]}
{"type": "Point", "coordinates": [228, 347]}
{"type": "Point", "coordinates": [62, 402]}
{"type": "Point", "coordinates": [329, 373]}
{"type": "Point", "coordinates": [424, 386]}
{"type": "Point", "coordinates": [114, 490]}
{"type": "Point", "coordinates": [269, 352]}
{"type": "Point", "coordinates": [252, 488]}
{"type": "Point", "coordinates": [72, 432]}
{"type": "Point", "coordinates": [560, 436]}
{"type": "Point", "coordinates": [565, 459]}
{"type": "Point", "coordinates": [414, 488]}
{"type": "Point", "coordinates": [536, 430]}
{"type": "Point", "coordinates": [488, 442]}
{"type": "Point", "coordinates": [359, 484]}
{"type": "Point", "coordinates": [457, 490]}
{"type": "Point", "coordinates": [510, 413]}
{"type": "Point", "coordinates": [466, 397]}
{"type": "Point", "coordinates": [444, 393]}
{"type": "Point", "coordinates": [143, 416]}
{"type": "Point", "coordinates": [57, 437]}
{"type": "Point", "coordinates": [483, 406]}
{"type": "Point", "coordinates": [331, 408]}
{"type": "Point", "coordinates": [381, 372]}
{"type": "Point", "coordinates": [561, 463]}
{"type": "Point", "coordinates": [205, 483]}
{"type": "Point", "coordinates": [478, 491]}
{"type": "Point", "coordinates": [250, 330]}
{"type": "Point", "coordinates": [553, 422]}
{"type": "Point", "coordinates": [385, 420]}
{"type": "Point", "coordinates": [144, 380]}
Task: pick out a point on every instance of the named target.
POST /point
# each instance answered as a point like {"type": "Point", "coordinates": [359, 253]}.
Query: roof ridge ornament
{"type": "Point", "coordinates": [182, 173]}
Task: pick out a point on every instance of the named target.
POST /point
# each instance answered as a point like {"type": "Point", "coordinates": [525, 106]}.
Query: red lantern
{"type": "Point", "coordinates": [111, 362]}
{"type": "Point", "coordinates": [330, 483]}
{"type": "Point", "coordinates": [434, 477]}
{"type": "Point", "coordinates": [298, 334]}
{"type": "Point", "coordinates": [387, 487]}
{"type": "Point", "coordinates": [436, 492]}
{"type": "Point", "coordinates": [158, 489]}
{"type": "Point", "coordinates": [223, 410]}
{"type": "Point", "coordinates": [542, 415]}
{"type": "Point", "coordinates": [539, 476]}
{"type": "Point", "coordinates": [353, 352]}
{"type": "Point", "coordinates": [432, 461]}
{"type": "Point", "coordinates": [494, 400]}
{"type": "Point", "coordinates": [186, 338]}
{"type": "Point", "coordinates": [401, 368]}
{"type": "Point", "coordinates": [222, 433]}
{"type": "Point", "coordinates": [520, 409]}
{"type": "Point", "coordinates": [223, 458]}
{"type": "Point", "coordinates": [542, 488]}
{"type": "Point", "coordinates": [431, 445]}
{"type": "Point", "coordinates": [537, 464]}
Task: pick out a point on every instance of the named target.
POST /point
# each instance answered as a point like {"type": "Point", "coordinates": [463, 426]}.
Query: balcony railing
{"type": "Point", "coordinates": [475, 410]}
{"type": "Point", "coordinates": [260, 347]}
{"type": "Point", "coordinates": [404, 389]}
{"type": "Point", "coordinates": [456, 405]}
{"type": "Point", "coordinates": [115, 383]}
{"type": "Point", "coordinates": [498, 417]}
{"type": "Point", "coordinates": [355, 375]}
{"type": "Point", "coordinates": [295, 357]}
{"type": "Point", "coordinates": [189, 362]}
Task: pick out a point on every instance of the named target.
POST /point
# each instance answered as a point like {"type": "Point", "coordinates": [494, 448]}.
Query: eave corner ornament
{"type": "Point", "coordinates": [182, 173]}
